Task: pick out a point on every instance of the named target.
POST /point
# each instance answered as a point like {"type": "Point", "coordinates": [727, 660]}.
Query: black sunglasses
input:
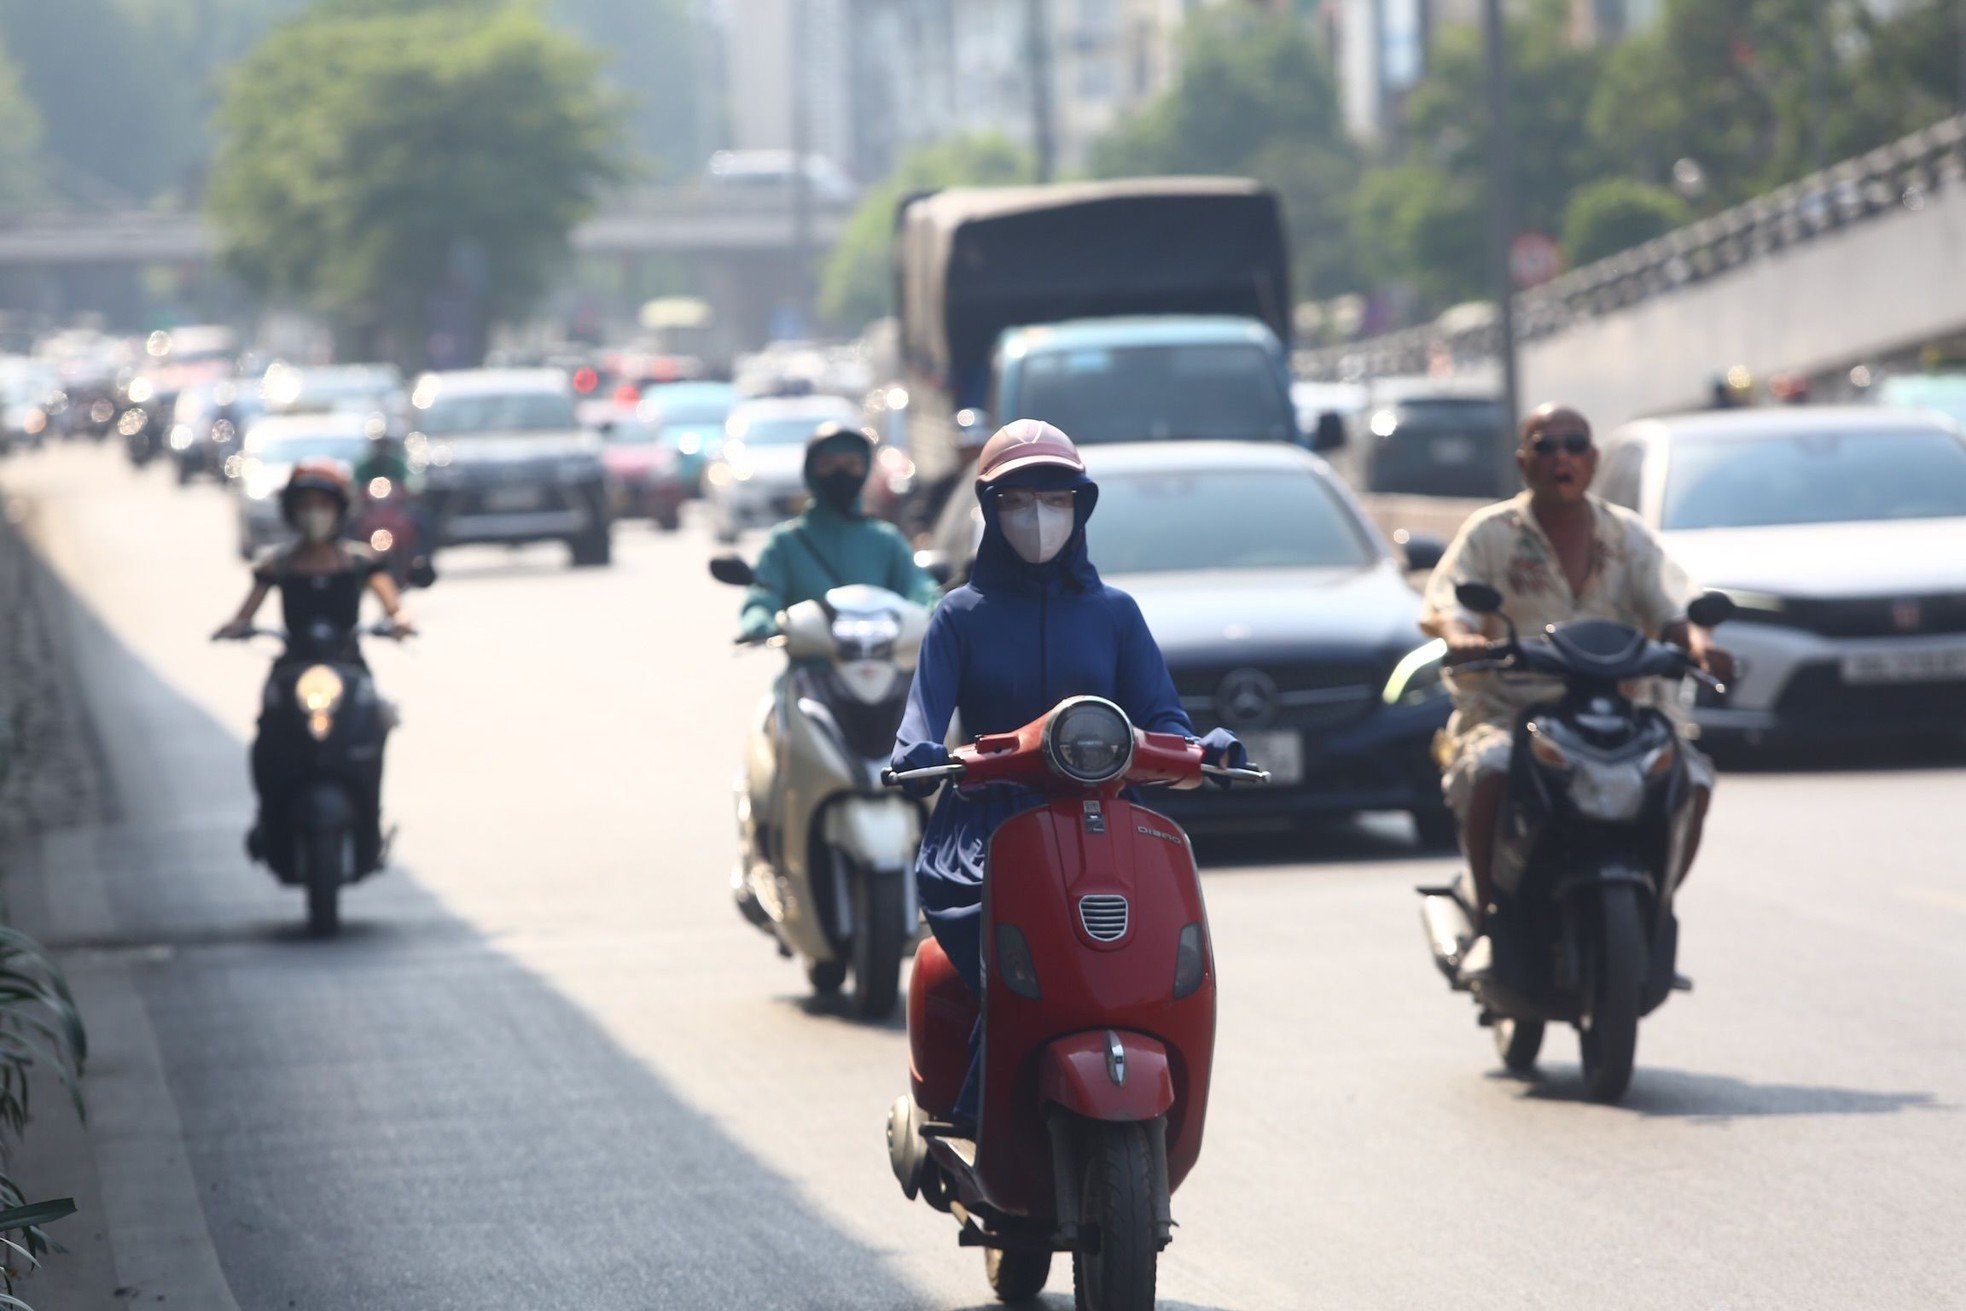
{"type": "Point", "coordinates": [1573, 443]}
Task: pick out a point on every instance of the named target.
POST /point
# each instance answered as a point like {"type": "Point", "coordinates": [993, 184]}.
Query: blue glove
{"type": "Point", "coordinates": [923, 755]}
{"type": "Point", "coordinates": [1222, 748]}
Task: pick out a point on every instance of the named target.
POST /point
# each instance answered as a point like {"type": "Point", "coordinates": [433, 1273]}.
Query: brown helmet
{"type": "Point", "coordinates": [314, 476]}
{"type": "Point", "coordinates": [1026, 444]}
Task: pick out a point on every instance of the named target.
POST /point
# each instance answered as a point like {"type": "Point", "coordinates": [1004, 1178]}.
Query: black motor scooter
{"type": "Point", "coordinates": [1590, 843]}
{"type": "Point", "coordinates": [322, 710]}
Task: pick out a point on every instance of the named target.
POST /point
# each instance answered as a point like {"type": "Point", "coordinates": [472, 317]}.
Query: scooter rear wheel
{"type": "Point", "coordinates": [1016, 1276]}
{"type": "Point", "coordinates": [1117, 1203]}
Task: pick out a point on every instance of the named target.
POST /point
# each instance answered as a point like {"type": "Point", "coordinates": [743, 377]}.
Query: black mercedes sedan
{"type": "Point", "coordinates": [1283, 614]}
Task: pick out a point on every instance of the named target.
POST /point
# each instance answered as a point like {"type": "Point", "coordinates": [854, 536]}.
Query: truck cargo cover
{"type": "Point", "coordinates": [976, 260]}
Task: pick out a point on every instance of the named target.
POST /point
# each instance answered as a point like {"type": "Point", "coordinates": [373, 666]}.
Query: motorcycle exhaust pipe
{"type": "Point", "coordinates": [1449, 930]}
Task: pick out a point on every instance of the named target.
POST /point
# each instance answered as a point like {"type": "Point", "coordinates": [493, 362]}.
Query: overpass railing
{"type": "Point", "coordinates": [1893, 178]}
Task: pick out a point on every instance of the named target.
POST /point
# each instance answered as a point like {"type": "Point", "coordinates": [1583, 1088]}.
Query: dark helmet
{"type": "Point", "coordinates": [836, 434]}
{"type": "Point", "coordinates": [314, 476]}
{"type": "Point", "coordinates": [1026, 444]}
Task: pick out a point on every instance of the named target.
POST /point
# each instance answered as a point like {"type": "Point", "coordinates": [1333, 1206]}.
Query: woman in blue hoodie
{"type": "Point", "coordinates": [1033, 625]}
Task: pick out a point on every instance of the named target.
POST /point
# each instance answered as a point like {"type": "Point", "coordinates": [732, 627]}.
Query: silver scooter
{"type": "Point", "coordinates": [825, 853]}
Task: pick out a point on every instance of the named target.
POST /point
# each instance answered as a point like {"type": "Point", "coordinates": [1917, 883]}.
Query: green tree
{"type": "Point", "coordinates": [1256, 96]}
{"type": "Point", "coordinates": [1617, 213]}
{"type": "Point", "coordinates": [21, 175]}
{"type": "Point", "coordinates": [1420, 221]}
{"type": "Point", "coordinates": [409, 167]}
{"type": "Point", "coordinates": [857, 283]}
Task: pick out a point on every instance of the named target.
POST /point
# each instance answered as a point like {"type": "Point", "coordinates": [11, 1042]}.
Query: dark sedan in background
{"type": "Point", "coordinates": [1283, 614]}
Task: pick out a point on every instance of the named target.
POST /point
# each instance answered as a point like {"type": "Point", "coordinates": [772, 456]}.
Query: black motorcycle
{"type": "Point", "coordinates": [1588, 849]}
{"type": "Point", "coordinates": [325, 727]}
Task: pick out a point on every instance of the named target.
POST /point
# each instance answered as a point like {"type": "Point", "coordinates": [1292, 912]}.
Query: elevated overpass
{"type": "Point", "coordinates": [1861, 262]}
{"type": "Point", "coordinates": [692, 222]}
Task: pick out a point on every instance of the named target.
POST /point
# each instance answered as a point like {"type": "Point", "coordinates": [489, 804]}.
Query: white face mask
{"type": "Point", "coordinates": [1037, 532]}
{"type": "Point", "coordinates": [317, 526]}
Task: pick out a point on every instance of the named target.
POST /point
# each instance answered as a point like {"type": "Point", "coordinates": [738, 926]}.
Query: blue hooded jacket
{"type": "Point", "coordinates": [1004, 649]}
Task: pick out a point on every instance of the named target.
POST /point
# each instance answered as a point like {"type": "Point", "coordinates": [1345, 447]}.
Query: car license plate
{"type": "Point", "coordinates": [1927, 665]}
{"type": "Point", "coordinates": [1454, 450]}
{"type": "Point", "coordinates": [1281, 751]}
{"type": "Point", "coordinates": [506, 499]}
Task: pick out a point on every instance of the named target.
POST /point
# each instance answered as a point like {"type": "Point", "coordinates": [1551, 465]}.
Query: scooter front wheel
{"type": "Point", "coordinates": [1117, 1203]}
{"type": "Point", "coordinates": [1016, 1276]}
{"type": "Point", "coordinates": [324, 852]}
{"type": "Point", "coordinates": [1614, 972]}
{"type": "Point", "coordinates": [880, 904]}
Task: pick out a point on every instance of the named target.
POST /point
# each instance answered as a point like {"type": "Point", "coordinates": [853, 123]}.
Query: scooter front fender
{"type": "Point", "coordinates": [880, 833]}
{"type": "Point", "coordinates": [1107, 1075]}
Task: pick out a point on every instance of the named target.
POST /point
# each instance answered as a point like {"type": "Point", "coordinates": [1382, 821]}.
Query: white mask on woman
{"type": "Point", "coordinates": [1037, 531]}
{"type": "Point", "coordinates": [317, 526]}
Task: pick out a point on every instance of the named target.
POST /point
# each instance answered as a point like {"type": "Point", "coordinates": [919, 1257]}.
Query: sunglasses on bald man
{"type": "Point", "coordinates": [1570, 443]}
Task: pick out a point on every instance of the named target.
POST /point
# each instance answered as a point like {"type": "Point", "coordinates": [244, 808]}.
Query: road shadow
{"type": "Point", "coordinates": [1345, 840]}
{"type": "Point", "coordinates": [1717, 1098]}
{"type": "Point", "coordinates": [1061, 1272]}
{"type": "Point", "coordinates": [839, 1008]}
{"type": "Point", "coordinates": [1854, 758]}
{"type": "Point", "coordinates": [403, 1115]}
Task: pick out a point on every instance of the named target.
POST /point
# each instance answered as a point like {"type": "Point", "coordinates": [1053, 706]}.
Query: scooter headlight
{"type": "Point", "coordinates": [318, 691]}
{"type": "Point", "coordinates": [865, 636]}
{"type": "Point", "coordinates": [1089, 740]}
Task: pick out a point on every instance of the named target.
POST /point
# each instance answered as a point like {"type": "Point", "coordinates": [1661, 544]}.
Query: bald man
{"type": "Point", "coordinates": [1555, 553]}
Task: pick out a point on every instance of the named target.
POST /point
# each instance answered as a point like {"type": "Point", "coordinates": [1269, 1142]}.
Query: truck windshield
{"type": "Point", "coordinates": [1147, 393]}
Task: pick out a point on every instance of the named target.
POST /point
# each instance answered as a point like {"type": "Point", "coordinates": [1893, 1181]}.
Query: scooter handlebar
{"type": "Point", "coordinates": [1250, 775]}
{"type": "Point", "coordinates": [927, 774]}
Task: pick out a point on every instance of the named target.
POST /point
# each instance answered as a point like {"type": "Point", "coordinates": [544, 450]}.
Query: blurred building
{"type": "Point", "coordinates": [1380, 47]}
{"type": "Point", "coordinates": [878, 77]}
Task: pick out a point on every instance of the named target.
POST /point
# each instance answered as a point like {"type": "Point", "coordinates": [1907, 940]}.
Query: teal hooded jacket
{"type": "Point", "coordinates": [807, 557]}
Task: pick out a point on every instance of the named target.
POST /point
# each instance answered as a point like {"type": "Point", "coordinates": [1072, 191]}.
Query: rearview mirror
{"type": "Point", "coordinates": [1329, 434]}
{"type": "Point", "coordinates": [1711, 609]}
{"type": "Point", "coordinates": [1478, 597]}
{"type": "Point", "coordinates": [1422, 550]}
{"type": "Point", "coordinates": [732, 569]}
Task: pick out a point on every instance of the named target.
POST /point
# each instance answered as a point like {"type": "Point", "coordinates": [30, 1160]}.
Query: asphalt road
{"type": "Point", "coordinates": [547, 1066]}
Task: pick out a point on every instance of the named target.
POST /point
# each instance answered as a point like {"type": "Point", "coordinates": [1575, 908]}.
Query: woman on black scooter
{"type": "Point", "coordinates": [1033, 626]}
{"type": "Point", "coordinates": [321, 579]}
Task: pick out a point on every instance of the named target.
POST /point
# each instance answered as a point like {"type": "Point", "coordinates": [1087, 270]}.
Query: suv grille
{"type": "Point", "coordinates": [1104, 916]}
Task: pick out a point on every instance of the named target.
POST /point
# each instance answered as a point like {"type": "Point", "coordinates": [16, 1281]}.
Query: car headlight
{"type": "Point", "coordinates": [1089, 740]}
{"type": "Point", "coordinates": [1416, 677]}
{"type": "Point", "coordinates": [318, 691]}
{"type": "Point", "coordinates": [690, 443]}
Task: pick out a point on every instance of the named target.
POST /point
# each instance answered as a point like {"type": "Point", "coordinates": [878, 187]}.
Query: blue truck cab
{"type": "Point", "coordinates": [1150, 377]}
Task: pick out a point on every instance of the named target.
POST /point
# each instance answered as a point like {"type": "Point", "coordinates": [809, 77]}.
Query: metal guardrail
{"type": "Point", "coordinates": [1890, 179]}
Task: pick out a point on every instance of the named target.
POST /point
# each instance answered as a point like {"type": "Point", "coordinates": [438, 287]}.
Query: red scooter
{"type": "Point", "coordinates": [1098, 1018]}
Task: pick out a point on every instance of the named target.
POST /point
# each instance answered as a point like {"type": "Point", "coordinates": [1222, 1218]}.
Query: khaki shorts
{"type": "Point", "coordinates": [1485, 749]}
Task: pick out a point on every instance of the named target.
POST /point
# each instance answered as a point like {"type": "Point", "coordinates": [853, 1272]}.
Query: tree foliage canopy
{"type": "Point", "coordinates": [377, 155]}
{"type": "Point", "coordinates": [857, 285]}
{"type": "Point", "coordinates": [1256, 96]}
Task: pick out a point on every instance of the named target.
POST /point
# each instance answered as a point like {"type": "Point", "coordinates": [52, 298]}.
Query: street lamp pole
{"type": "Point", "coordinates": [1037, 34]}
{"type": "Point", "coordinates": [1502, 225]}
{"type": "Point", "coordinates": [801, 137]}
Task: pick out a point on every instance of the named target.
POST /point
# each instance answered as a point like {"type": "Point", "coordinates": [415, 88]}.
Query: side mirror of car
{"type": "Point", "coordinates": [1329, 433]}
{"type": "Point", "coordinates": [1478, 597]}
{"type": "Point", "coordinates": [1422, 550]}
{"type": "Point", "coordinates": [1711, 609]}
{"type": "Point", "coordinates": [936, 565]}
{"type": "Point", "coordinates": [732, 569]}
{"type": "Point", "coordinates": [422, 573]}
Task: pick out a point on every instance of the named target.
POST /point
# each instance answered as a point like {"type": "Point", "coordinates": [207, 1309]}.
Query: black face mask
{"type": "Point", "coordinates": [838, 491]}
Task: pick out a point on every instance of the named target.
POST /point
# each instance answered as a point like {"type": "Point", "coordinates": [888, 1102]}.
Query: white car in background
{"type": "Point", "coordinates": [272, 446]}
{"type": "Point", "coordinates": [759, 476]}
{"type": "Point", "coordinates": [1841, 535]}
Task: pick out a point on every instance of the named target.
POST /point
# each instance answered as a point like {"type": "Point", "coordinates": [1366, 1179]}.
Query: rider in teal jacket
{"type": "Point", "coordinates": [832, 544]}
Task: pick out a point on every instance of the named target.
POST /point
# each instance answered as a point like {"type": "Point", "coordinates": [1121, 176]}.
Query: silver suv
{"type": "Point", "coordinates": [509, 462]}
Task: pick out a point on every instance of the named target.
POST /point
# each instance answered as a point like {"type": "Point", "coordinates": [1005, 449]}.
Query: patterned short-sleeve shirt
{"type": "Point", "coordinates": [1631, 581]}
